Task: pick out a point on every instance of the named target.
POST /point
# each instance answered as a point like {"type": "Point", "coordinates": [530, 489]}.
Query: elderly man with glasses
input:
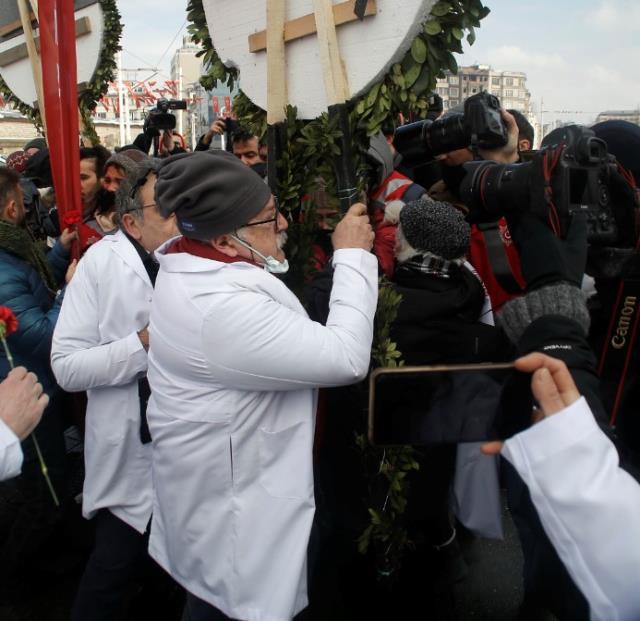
{"type": "Point", "coordinates": [100, 345]}
{"type": "Point", "coordinates": [234, 367]}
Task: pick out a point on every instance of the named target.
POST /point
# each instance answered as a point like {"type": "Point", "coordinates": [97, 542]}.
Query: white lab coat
{"type": "Point", "coordinates": [588, 505]}
{"type": "Point", "coordinates": [96, 348]}
{"type": "Point", "coordinates": [234, 364]}
{"type": "Point", "coordinates": [10, 453]}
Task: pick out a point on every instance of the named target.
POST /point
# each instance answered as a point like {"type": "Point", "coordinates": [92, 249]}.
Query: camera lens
{"type": "Point", "coordinates": [490, 190]}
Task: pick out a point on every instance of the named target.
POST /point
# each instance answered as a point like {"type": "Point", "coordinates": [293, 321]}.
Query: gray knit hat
{"type": "Point", "coordinates": [127, 160]}
{"type": "Point", "coordinates": [435, 227]}
{"type": "Point", "coordinates": [211, 193]}
{"type": "Point", "coordinates": [560, 298]}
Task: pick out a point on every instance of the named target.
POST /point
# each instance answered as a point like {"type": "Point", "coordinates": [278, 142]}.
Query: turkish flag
{"type": "Point", "coordinates": [59, 76]}
{"type": "Point", "coordinates": [227, 104]}
{"type": "Point", "coordinates": [215, 104]}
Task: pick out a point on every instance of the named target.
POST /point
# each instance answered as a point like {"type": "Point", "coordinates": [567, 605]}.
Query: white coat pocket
{"type": "Point", "coordinates": [285, 462]}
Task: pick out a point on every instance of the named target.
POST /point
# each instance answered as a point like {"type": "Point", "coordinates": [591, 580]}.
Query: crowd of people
{"type": "Point", "coordinates": [216, 483]}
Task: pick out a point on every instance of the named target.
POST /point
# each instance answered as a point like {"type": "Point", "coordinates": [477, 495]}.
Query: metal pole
{"type": "Point", "coordinates": [120, 101]}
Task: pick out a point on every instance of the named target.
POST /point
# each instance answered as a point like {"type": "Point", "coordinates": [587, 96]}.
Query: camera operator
{"type": "Point", "coordinates": [217, 128]}
{"type": "Point", "coordinates": [525, 131]}
{"type": "Point", "coordinates": [447, 190]}
{"type": "Point", "coordinates": [553, 230]}
{"type": "Point", "coordinates": [243, 144]}
{"type": "Point", "coordinates": [615, 268]}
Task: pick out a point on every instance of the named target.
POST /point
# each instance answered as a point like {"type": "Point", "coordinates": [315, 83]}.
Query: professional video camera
{"type": "Point", "coordinates": [479, 126]}
{"type": "Point", "coordinates": [573, 172]}
{"type": "Point", "coordinates": [40, 220]}
{"type": "Point", "coordinates": [159, 118]}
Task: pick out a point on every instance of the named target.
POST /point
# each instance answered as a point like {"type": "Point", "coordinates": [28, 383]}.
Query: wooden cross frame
{"type": "Point", "coordinates": [323, 21]}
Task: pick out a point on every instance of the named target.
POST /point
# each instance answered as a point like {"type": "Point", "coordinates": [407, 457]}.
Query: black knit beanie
{"type": "Point", "coordinates": [211, 193]}
{"type": "Point", "coordinates": [435, 227]}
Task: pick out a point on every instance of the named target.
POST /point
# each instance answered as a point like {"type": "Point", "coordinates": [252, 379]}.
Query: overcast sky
{"type": "Point", "coordinates": [582, 56]}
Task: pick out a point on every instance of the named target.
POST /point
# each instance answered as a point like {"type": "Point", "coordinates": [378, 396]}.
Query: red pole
{"type": "Point", "coordinates": [59, 76]}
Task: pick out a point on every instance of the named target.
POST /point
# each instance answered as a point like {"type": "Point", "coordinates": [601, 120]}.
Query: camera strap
{"type": "Point", "coordinates": [622, 334]}
{"type": "Point", "coordinates": [498, 258]}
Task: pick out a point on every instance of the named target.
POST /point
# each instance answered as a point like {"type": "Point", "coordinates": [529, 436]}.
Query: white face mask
{"type": "Point", "coordinates": [271, 264]}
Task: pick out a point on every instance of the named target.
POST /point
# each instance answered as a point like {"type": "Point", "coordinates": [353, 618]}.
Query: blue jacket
{"type": "Point", "coordinates": [36, 308]}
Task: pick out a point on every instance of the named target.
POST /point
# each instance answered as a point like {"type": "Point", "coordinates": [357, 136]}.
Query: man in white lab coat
{"type": "Point", "coordinates": [234, 365]}
{"type": "Point", "coordinates": [100, 345]}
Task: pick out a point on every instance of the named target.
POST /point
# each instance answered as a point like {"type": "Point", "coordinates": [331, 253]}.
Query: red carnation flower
{"type": "Point", "coordinates": [8, 322]}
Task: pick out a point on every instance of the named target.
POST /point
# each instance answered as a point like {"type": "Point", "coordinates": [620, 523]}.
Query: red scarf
{"type": "Point", "coordinates": [205, 251]}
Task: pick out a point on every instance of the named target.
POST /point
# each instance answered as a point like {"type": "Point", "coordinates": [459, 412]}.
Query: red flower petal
{"type": "Point", "coordinates": [9, 320]}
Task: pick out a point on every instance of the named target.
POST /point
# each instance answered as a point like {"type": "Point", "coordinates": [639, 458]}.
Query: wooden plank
{"type": "Point", "coordinates": [34, 8]}
{"type": "Point", "coordinates": [20, 52]}
{"type": "Point", "coordinates": [335, 79]}
{"type": "Point", "coordinates": [15, 25]}
{"type": "Point", "coordinates": [34, 58]}
{"type": "Point", "coordinates": [305, 26]}
{"type": "Point", "coordinates": [276, 61]}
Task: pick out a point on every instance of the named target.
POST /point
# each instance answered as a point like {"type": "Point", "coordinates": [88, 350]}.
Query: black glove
{"type": "Point", "coordinates": [545, 258]}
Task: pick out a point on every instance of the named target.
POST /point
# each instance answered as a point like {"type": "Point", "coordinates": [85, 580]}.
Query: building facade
{"type": "Point", "coordinates": [632, 116]}
{"type": "Point", "coordinates": [509, 86]}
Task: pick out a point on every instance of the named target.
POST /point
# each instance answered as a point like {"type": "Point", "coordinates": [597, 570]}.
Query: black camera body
{"type": "Point", "coordinates": [160, 118]}
{"type": "Point", "coordinates": [570, 174]}
{"type": "Point", "coordinates": [480, 126]}
{"type": "Point", "coordinates": [41, 221]}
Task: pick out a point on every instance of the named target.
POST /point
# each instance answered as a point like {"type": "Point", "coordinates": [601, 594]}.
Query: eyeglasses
{"type": "Point", "coordinates": [269, 220]}
{"type": "Point", "coordinates": [136, 208]}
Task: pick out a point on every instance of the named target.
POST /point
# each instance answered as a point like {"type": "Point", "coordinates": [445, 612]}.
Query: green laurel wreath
{"type": "Point", "coordinates": [99, 83]}
{"type": "Point", "coordinates": [307, 162]}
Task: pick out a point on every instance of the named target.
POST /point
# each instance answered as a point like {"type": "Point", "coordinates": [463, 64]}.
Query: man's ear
{"type": "Point", "coordinates": [524, 145]}
{"type": "Point", "coordinates": [10, 211]}
{"type": "Point", "coordinates": [131, 226]}
{"type": "Point", "coordinates": [225, 244]}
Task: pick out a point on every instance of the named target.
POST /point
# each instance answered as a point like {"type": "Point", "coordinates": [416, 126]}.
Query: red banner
{"type": "Point", "coordinates": [59, 75]}
{"type": "Point", "coordinates": [215, 104]}
{"type": "Point", "coordinates": [227, 104]}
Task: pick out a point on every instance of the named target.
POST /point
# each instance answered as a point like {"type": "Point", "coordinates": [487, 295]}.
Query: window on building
{"type": "Point", "coordinates": [453, 79]}
{"type": "Point", "coordinates": [474, 90]}
{"type": "Point", "coordinates": [508, 93]}
{"type": "Point", "coordinates": [495, 81]}
{"type": "Point", "coordinates": [454, 92]}
{"type": "Point", "coordinates": [465, 77]}
{"type": "Point", "coordinates": [453, 103]}
{"type": "Point", "coordinates": [508, 81]}
{"type": "Point", "coordinates": [445, 104]}
{"type": "Point", "coordinates": [102, 115]}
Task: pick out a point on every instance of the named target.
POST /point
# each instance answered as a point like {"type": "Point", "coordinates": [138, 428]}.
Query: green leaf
{"type": "Point", "coordinates": [457, 33]}
{"type": "Point", "coordinates": [440, 9]}
{"type": "Point", "coordinates": [471, 37]}
{"type": "Point", "coordinates": [419, 50]}
{"type": "Point", "coordinates": [432, 27]}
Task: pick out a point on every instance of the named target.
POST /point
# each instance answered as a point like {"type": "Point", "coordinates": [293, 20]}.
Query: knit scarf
{"type": "Point", "coordinates": [17, 241]}
{"type": "Point", "coordinates": [206, 251]}
{"type": "Point", "coordinates": [433, 265]}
